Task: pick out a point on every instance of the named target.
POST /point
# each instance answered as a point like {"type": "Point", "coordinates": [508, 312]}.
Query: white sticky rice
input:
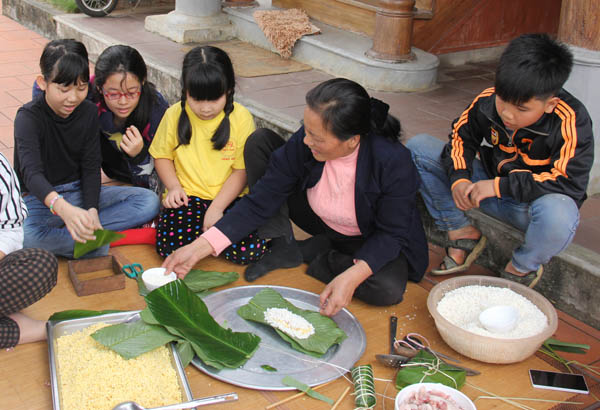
{"type": "Point", "coordinates": [462, 307]}
{"type": "Point", "coordinates": [289, 323]}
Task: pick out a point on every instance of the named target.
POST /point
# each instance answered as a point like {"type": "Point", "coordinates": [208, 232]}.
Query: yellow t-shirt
{"type": "Point", "coordinates": [201, 169]}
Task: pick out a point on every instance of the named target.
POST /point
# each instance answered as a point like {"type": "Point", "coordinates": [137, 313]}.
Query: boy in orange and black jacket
{"type": "Point", "coordinates": [521, 152]}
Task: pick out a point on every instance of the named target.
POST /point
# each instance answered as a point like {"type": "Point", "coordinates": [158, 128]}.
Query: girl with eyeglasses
{"type": "Point", "coordinates": [199, 155]}
{"type": "Point", "coordinates": [129, 109]}
{"type": "Point", "coordinates": [57, 160]}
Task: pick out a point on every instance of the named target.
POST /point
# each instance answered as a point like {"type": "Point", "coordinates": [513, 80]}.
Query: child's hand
{"type": "Point", "coordinates": [211, 217]}
{"type": "Point", "coordinates": [481, 190]}
{"type": "Point", "coordinates": [175, 198]}
{"type": "Point", "coordinates": [461, 197]}
{"type": "Point", "coordinates": [79, 222]}
{"type": "Point", "coordinates": [132, 142]}
{"type": "Point", "coordinates": [96, 220]}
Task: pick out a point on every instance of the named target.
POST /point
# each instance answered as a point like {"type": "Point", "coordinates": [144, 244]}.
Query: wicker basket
{"type": "Point", "coordinates": [485, 348]}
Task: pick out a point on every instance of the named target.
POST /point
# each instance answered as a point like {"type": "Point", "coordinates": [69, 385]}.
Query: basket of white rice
{"type": "Point", "coordinates": [457, 305]}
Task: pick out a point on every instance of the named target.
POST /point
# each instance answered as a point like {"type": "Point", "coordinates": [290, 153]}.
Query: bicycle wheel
{"type": "Point", "coordinates": [96, 8]}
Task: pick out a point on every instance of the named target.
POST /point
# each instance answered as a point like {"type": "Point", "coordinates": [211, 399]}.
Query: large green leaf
{"type": "Point", "coordinates": [185, 351]}
{"type": "Point", "coordinates": [327, 333]}
{"type": "Point", "coordinates": [79, 313]}
{"type": "Point", "coordinates": [424, 367]}
{"type": "Point", "coordinates": [200, 280]}
{"type": "Point", "coordinates": [175, 305]}
{"type": "Point", "coordinates": [103, 237]}
{"type": "Point", "coordinates": [133, 339]}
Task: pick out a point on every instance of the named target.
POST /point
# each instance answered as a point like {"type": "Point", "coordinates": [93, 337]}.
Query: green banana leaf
{"type": "Point", "coordinates": [103, 236]}
{"type": "Point", "coordinates": [555, 344]}
{"type": "Point", "coordinates": [290, 381]}
{"type": "Point", "coordinates": [79, 313]}
{"type": "Point", "coordinates": [130, 340]}
{"type": "Point", "coordinates": [175, 305]}
{"type": "Point", "coordinates": [199, 281]}
{"type": "Point", "coordinates": [446, 374]}
{"type": "Point", "coordinates": [185, 351]}
{"type": "Point", "coordinates": [327, 333]}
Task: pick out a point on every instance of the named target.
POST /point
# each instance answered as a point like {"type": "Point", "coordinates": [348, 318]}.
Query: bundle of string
{"type": "Point", "coordinates": [364, 387]}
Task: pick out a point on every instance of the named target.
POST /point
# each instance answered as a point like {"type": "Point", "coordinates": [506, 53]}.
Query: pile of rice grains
{"type": "Point", "coordinates": [92, 376]}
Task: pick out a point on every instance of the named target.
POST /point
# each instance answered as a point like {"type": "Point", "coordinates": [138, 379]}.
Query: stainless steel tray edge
{"type": "Point", "coordinates": [57, 329]}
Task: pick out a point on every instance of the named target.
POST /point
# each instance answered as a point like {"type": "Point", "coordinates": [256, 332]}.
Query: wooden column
{"type": "Point", "coordinates": [393, 31]}
{"type": "Point", "coordinates": [239, 3]}
{"type": "Point", "coordinates": [579, 24]}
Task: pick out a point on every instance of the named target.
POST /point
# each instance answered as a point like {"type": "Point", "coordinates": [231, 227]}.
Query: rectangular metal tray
{"type": "Point", "coordinates": [66, 327]}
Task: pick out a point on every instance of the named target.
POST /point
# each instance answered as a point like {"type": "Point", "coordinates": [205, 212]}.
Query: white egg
{"type": "Point", "coordinates": [155, 278]}
{"type": "Point", "coordinates": [499, 319]}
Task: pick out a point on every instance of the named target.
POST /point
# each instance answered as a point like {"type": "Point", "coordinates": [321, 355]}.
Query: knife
{"type": "Point", "coordinates": [393, 327]}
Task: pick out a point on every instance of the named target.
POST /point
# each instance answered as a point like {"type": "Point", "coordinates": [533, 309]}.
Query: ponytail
{"type": "Point", "coordinates": [221, 136]}
{"type": "Point", "coordinates": [382, 123]}
{"type": "Point", "coordinates": [184, 128]}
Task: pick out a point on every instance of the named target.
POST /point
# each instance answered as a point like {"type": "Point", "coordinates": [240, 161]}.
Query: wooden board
{"type": "Point", "coordinates": [27, 388]}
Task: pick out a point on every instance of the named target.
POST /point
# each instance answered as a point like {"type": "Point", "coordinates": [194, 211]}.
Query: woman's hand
{"type": "Point", "coordinates": [132, 142]}
{"type": "Point", "coordinates": [80, 223]}
{"type": "Point", "coordinates": [338, 293]}
{"type": "Point", "coordinates": [175, 198]}
{"type": "Point", "coordinates": [183, 259]}
{"type": "Point", "coordinates": [212, 215]}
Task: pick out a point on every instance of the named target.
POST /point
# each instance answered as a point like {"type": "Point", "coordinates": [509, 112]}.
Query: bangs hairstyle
{"type": "Point", "coordinates": [532, 66]}
{"type": "Point", "coordinates": [207, 75]}
{"type": "Point", "coordinates": [122, 59]}
{"type": "Point", "coordinates": [345, 108]}
{"type": "Point", "coordinates": [65, 62]}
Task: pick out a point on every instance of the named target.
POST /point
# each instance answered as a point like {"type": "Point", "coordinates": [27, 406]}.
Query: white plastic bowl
{"type": "Point", "coordinates": [155, 278]}
{"type": "Point", "coordinates": [460, 398]}
{"type": "Point", "coordinates": [499, 319]}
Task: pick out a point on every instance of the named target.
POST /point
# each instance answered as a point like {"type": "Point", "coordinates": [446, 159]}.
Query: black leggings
{"type": "Point", "coordinates": [26, 275]}
{"type": "Point", "coordinates": [385, 287]}
{"type": "Point", "coordinates": [181, 226]}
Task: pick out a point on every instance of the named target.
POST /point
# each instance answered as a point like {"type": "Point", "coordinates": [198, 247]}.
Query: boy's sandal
{"type": "Point", "coordinates": [529, 280]}
{"type": "Point", "coordinates": [473, 247]}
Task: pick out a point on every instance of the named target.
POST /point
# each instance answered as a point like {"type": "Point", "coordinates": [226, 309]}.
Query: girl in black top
{"type": "Point", "coordinates": [57, 160]}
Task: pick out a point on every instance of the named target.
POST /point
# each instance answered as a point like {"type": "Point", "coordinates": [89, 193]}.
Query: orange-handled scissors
{"type": "Point", "coordinates": [415, 341]}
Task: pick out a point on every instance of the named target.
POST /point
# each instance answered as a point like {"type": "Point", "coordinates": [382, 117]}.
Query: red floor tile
{"type": "Point", "coordinates": [23, 95]}
{"type": "Point", "coordinates": [8, 153]}
{"type": "Point", "coordinates": [10, 112]}
{"type": "Point", "coordinates": [12, 83]}
{"type": "Point", "coordinates": [7, 100]}
{"type": "Point", "coordinates": [7, 137]}
{"type": "Point", "coordinates": [5, 121]}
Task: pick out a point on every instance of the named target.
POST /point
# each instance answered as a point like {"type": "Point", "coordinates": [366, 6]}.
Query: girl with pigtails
{"type": "Point", "coordinates": [198, 153]}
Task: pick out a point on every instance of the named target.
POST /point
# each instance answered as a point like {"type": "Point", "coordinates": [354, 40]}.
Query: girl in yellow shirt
{"type": "Point", "coordinates": [199, 155]}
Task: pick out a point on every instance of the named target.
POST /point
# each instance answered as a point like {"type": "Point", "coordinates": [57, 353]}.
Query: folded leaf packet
{"type": "Point", "coordinates": [426, 368]}
{"type": "Point", "coordinates": [305, 330]}
{"type": "Point", "coordinates": [103, 237]}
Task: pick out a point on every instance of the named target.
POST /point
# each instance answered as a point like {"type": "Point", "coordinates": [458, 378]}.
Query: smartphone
{"type": "Point", "coordinates": [570, 382]}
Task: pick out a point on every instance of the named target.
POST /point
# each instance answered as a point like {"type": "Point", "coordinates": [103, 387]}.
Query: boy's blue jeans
{"type": "Point", "coordinates": [120, 208]}
{"type": "Point", "coordinates": [549, 222]}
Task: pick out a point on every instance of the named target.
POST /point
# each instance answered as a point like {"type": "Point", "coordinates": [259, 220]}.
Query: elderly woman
{"type": "Point", "coordinates": [346, 179]}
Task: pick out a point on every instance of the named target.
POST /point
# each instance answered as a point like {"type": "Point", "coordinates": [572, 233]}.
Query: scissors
{"type": "Point", "coordinates": [132, 270]}
{"type": "Point", "coordinates": [416, 342]}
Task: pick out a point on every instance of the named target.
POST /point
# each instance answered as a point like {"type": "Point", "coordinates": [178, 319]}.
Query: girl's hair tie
{"type": "Point", "coordinates": [379, 112]}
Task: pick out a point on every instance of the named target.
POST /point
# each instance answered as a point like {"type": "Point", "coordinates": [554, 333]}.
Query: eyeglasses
{"type": "Point", "coordinates": [115, 95]}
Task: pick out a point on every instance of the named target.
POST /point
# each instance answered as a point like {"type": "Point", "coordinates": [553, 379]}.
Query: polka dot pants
{"type": "Point", "coordinates": [178, 227]}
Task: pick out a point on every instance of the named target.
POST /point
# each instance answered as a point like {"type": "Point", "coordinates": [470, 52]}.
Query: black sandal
{"type": "Point", "coordinates": [529, 280]}
{"type": "Point", "coordinates": [473, 247]}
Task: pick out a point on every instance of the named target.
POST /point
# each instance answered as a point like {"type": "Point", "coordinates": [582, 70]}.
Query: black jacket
{"type": "Point", "coordinates": [554, 155]}
{"type": "Point", "coordinates": [385, 199]}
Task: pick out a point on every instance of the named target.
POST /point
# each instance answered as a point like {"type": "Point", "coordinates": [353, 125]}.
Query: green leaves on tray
{"type": "Point", "coordinates": [79, 313]}
{"type": "Point", "coordinates": [268, 368]}
{"type": "Point", "coordinates": [290, 381]}
{"type": "Point", "coordinates": [555, 344]}
{"type": "Point", "coordinates": [175, 313]}
{"type": "Point", "coordinates": [199, 281]}
{"type": "Point", "coordinates": [103, 237]}
{"type": "Point", "coordinates": [175, 305]}
{"type": "Point", "coordinates": [327, 333]}
{"type": "Point", "coordinates": [424, 368]}
{"type": "Point", "coordinates": [130, 340]}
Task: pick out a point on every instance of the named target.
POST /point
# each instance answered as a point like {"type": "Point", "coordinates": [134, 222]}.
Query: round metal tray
{"type": "Point", "coordinates": [274, 351]}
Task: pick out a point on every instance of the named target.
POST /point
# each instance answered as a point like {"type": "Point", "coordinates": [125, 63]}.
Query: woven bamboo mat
{"type": "Point", "coordinates": [252, 61]}
{"type": "Point", "coordinates": [28, 384]}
